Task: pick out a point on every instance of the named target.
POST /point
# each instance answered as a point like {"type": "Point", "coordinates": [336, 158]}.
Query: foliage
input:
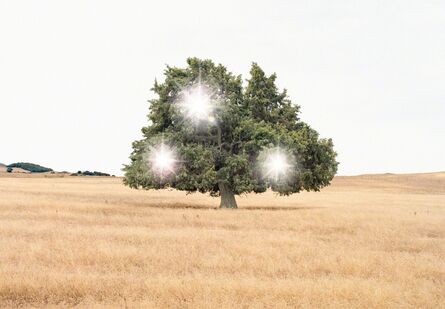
{"type": "Point", "coordinates": [88, 173]}
{"type": "Point", "coordinates": [249, 120]}
{"type": "Point", "coordinates": [31, 167]}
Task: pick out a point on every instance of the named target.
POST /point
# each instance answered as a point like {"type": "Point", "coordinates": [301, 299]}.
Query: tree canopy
{"type": "Point", "coordinates": [237, 144]}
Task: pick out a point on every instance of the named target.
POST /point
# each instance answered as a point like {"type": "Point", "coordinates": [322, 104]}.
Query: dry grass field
{"type": "Point", "coordinates": [373, 241]}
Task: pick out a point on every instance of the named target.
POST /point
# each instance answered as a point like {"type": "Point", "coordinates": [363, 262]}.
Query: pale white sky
{"type": "Point", "coordinates": [75, 75]}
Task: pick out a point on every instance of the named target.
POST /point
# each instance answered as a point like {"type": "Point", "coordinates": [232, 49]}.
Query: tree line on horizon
{"type": "Point", "coordinates": [36, 168]}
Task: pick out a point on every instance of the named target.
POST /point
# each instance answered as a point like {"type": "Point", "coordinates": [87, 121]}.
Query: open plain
{"type": "Point", "coordinates": [371, 241]}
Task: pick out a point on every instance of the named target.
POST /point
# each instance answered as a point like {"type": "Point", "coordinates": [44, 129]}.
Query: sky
{"type": "Point", "coordinates": [75, 76]}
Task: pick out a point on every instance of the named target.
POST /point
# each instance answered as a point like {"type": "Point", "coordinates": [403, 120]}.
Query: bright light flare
{"type": "Point", "coordinates": [276, 164]}
{"type": "Point", "coordinates": [196, 103]}
{"type": "Point", "coordinates": [163, 160]}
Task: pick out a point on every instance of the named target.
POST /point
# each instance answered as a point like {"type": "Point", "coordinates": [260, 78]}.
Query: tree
{"type": "Point", "coordinates": [207, 133]}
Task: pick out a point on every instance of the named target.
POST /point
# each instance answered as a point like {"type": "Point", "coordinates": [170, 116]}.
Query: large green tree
{"type": "Point", "coordinates": [224, 154]}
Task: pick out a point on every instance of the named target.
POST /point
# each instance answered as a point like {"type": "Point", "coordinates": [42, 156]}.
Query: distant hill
{"type": "Point", "coordinates": [31, 167]}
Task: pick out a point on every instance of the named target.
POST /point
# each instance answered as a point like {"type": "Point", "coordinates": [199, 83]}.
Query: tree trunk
{"type": "Point", "coordinates": [227, 196]}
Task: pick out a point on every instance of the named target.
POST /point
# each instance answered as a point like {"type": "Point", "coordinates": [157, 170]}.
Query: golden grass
{"type": "Point", "coordinates": [375, 241]}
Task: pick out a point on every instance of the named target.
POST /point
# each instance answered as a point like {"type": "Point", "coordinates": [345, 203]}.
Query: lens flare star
{"type": "Point", "coordinates": [276, 164]}
{"type": "Point", "coordinates": [163, 160]}
{"type": "Point", "coordinates": [196, 103]}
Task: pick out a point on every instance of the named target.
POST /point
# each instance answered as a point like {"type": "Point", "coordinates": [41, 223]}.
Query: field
{"type": "Point", "coordinates": [372, 241]}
